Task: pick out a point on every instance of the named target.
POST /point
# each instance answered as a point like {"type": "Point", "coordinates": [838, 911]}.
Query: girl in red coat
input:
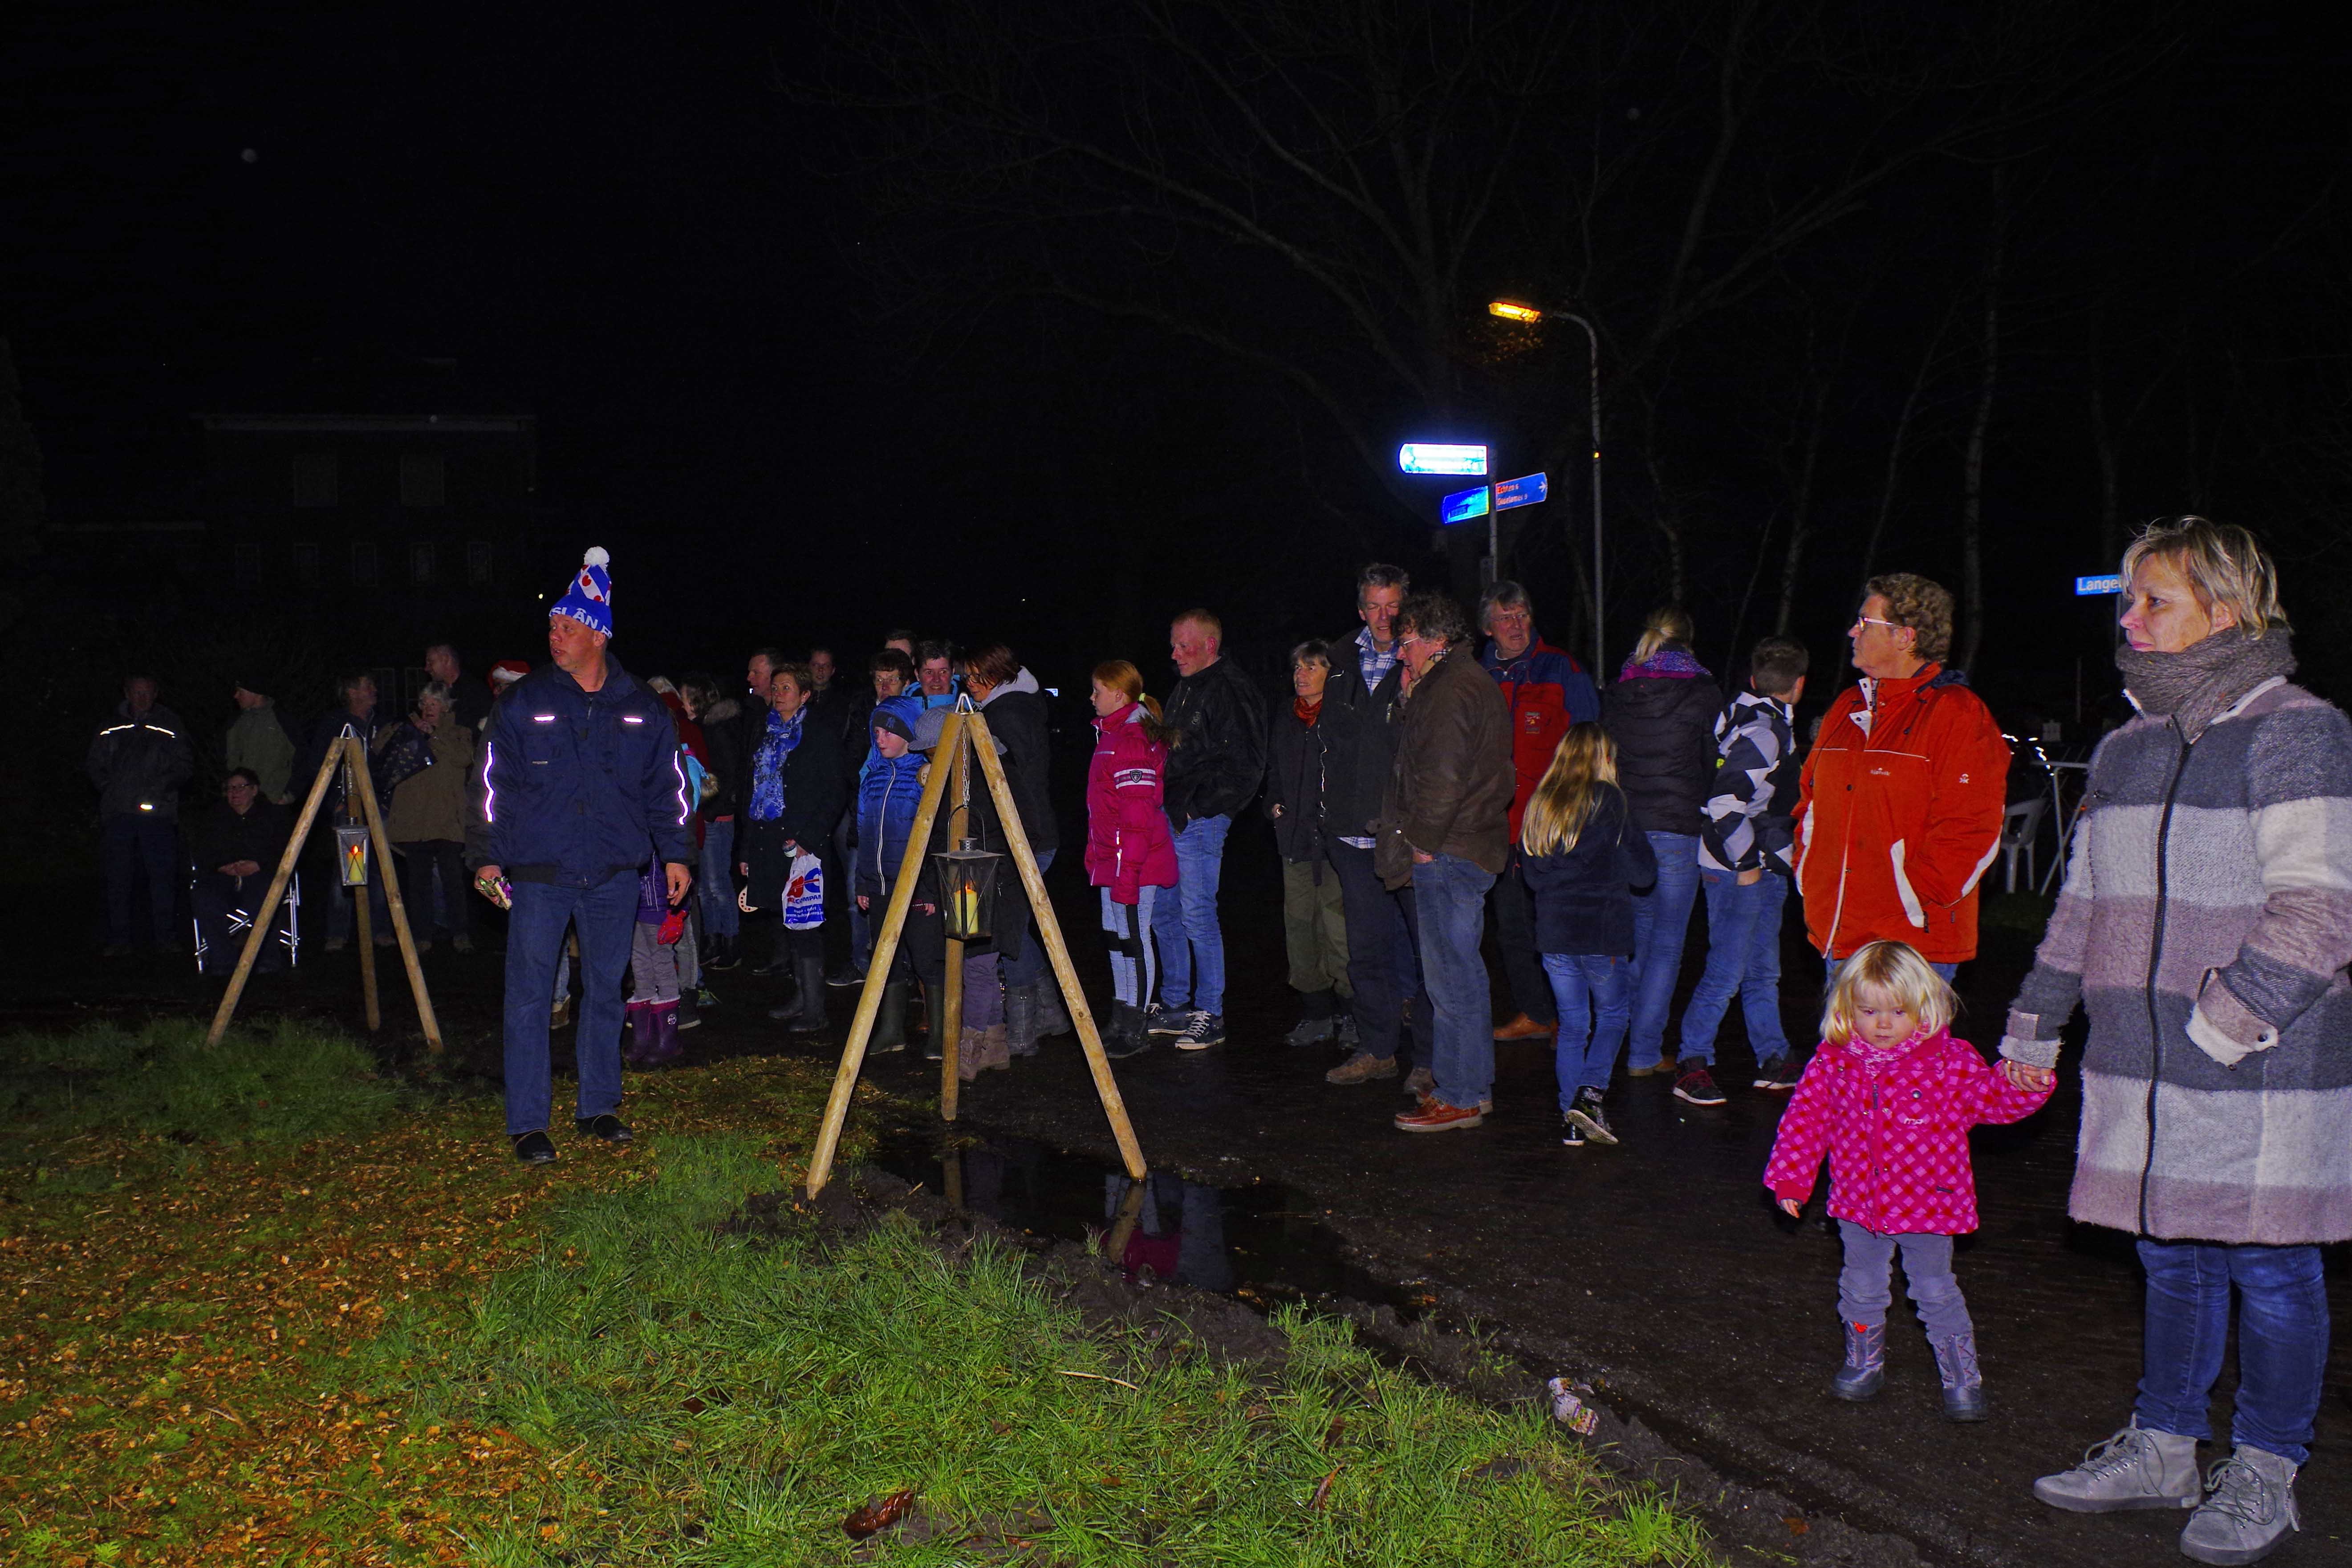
{"type": "Point", "coordinates": [1129, 850]}
{"type": "Point", "coordinates": [1891, 1096]}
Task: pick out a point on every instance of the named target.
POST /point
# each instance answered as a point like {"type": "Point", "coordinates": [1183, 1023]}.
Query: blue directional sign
{"type": "Point", "coordinates": [1521, 492]}
{"type": "Point", "coordinates": [1463, 505]}
{"type": "Point", "coordinates": [2085, 587]}
{"type": "Point", "coordinates": [1421, 457]}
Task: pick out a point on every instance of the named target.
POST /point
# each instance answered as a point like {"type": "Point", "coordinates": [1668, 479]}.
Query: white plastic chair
{"type": "Point", "coordinates": [2021, 824]}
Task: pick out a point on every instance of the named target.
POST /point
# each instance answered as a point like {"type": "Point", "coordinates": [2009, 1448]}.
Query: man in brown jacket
{"type": "Point", "coordinates": [1445, 830]}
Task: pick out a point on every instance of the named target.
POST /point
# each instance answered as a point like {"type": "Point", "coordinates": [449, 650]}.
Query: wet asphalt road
{"type": "Point", "coordinates": [1656, 1268]}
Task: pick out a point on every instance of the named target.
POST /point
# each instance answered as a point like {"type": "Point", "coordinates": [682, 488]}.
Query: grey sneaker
{"type": "Point", "coordinates": [2249, 1508]}
{"type": "Point", "coordinates": [1308, 1032]}
{"type": "Point", "coordinates": [1200, 1031]}
{"type": "Point", "coordinates": [1343, 1031]}
{"type": "Point", "coordinates": [1421, 1083]}
{"type": "Point", "coordinates": [1361, 1068]}
{"type": "Point", "coordinates": [2136, 1467]}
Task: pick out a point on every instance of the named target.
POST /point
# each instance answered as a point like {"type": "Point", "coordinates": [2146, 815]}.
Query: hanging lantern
{"type": "Point", "coordinates": [967, 876]}
{"type": "Point", "coordinates": [350, 850]}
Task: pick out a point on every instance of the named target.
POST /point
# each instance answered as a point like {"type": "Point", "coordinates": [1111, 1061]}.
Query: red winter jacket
{"type": "Point", "coordinates": [1129, 847]}
{"type": "Point", "coordinates": [1547, 692]}
{"type": "Point", "coordinates": [1897, 1134]}
{"type": "Point", "coordinates": [1897, 819]}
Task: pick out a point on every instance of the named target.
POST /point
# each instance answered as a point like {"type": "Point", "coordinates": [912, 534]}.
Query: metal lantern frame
{"type": "Point", "coordinates": [967, 876]}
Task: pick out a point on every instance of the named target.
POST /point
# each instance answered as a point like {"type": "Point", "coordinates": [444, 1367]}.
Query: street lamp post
{"type": "Point", "coordinates": [1511, 311]}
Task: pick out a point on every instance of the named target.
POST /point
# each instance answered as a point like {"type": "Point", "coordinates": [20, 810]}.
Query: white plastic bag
{"type": "Point", "coordinates": [804, 893]}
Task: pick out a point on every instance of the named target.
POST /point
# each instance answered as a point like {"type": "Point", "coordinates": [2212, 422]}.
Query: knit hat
{"type": "Point", "coordinates": [506, 672]}
{"type": "Point", "coordinates": [931, 725]}
{"type": "Point", "coordinates": [895, 725]}
{"type": "Point", "coordinates": [589, 599]}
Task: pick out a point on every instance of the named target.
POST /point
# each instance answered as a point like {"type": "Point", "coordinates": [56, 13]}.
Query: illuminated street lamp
{"type": "Point", "coordinates": [1528, 315]}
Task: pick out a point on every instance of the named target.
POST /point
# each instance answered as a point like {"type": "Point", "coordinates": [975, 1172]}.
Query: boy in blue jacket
{"type": "Point", "coordinates": [888, 791]}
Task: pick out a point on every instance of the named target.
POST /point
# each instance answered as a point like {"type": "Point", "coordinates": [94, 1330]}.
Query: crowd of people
{"type": "Point", "coordinates": [1425, 774]}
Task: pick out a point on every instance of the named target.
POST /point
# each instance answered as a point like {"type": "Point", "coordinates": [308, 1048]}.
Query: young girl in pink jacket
{"type": "Point", "coordinates": [1890, 1096]}
{"type": "Point", "coordinates": [1131, 853]}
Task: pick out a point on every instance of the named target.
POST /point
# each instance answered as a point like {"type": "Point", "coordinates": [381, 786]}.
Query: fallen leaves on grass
{"type": "Point", "coordinates": [172, 1373]}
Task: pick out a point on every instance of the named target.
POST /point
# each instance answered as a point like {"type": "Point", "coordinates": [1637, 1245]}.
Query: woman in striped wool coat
{"type": "Point", "coordinates": [2204, 926]}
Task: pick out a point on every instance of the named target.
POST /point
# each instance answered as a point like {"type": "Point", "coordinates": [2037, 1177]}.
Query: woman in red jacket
{"type": "Point", "coordinates": [1130, 853]}
{"type": "Point", "coordinates": [1890, 1097]}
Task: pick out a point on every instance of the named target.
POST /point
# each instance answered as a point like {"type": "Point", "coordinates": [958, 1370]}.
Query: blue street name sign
{"type": "Point", "coordinates": [1463, 505]}
{"type": "Point", "coordinates": [1420, 457]}
{"type": "Point", "coordinates": [1521, 492]}
{"type": "Point", "coordinates": [2085, 587]}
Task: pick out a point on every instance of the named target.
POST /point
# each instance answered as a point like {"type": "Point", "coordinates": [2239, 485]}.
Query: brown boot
{"type": "Point", "coordinates": [972, 1045]}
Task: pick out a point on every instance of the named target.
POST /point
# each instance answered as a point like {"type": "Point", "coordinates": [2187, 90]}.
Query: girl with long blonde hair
{"type": "Point", "coordinates": [1581, 859]}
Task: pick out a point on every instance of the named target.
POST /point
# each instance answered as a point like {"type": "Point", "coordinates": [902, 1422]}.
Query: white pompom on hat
{"type": "Point", "coordinates": [589, 599]}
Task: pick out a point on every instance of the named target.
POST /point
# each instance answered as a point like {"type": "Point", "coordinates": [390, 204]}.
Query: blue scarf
{"type": "Point", "coordinates": [767, 764]}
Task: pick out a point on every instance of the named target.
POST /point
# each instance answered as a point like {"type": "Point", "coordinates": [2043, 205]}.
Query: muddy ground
{"type": "Point", "coordinates": [1657, 1270]}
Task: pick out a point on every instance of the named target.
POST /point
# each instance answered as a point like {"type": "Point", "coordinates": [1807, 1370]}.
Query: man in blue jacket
{"type": "Point", "coordinates": [582, 787]}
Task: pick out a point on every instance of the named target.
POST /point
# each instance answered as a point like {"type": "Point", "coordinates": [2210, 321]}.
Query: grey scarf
{"type": "Point", "coordinates": [2195, 685]}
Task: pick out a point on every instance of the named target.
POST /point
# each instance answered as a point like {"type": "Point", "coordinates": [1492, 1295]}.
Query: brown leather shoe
{"type": "Point", "coordinates": [1523, 1027]}
{"type": "Point", "coordinates": [1361, 1068]}
{"type": "Point", "coordinates": [1434, 1115]}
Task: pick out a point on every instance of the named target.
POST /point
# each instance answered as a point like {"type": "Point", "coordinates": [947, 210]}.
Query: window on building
{"type": "Point", "coordinates": [420, 561]}
{"type": "Point", "coordinates": [306, 565]}
{"type": "Point", "coordinates": [316, 479]}
{"type": "Point", "coordinates": [249, 565]}
{"type": "Point", "coordinates": [477, 563]}
{"type": "Point", "coordinates": [423, 480]}
{"type": "Point", "coordinates": [363, 564]}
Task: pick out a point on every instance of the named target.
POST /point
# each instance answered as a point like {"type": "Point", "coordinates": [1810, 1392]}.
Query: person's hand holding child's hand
{"type": "Point", "coordinates": [2024, 1076]}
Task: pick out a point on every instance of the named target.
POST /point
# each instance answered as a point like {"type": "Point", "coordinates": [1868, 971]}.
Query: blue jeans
{"type": "Point", "coordinates": [716, 881]}
{"type": "Point", "coordinates": [1661, 925]}
{"type": "Point", "coordinates": [2281, 1341]}
{"type": "Point", "coordinates": [1030, 967]}
{"type": "Point", "coordinates": [607, 916]}
{"type": "Point", "coordinates": [131, 843]}
{"type": "Point", "coordinates": [1185, 925]}
{"type": "Point", "coordinates": [1743, 957]}
{"type": "Point", "coordinates": [1585, 1050]}
{"type": "Point", "coordinates": [1449, 900]}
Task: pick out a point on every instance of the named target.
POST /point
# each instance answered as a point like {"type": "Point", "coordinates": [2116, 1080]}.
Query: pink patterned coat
{"type": "Point", "coordinates": [1897, 1134]}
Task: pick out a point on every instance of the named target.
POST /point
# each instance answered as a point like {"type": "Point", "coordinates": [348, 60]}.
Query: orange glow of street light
{"type": "Point", "coordinates": [1510, 312]}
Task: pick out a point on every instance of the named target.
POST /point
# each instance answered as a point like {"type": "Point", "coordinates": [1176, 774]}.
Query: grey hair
{"type": "Point", "coordinates": [1381, 575]}
{"type": "Point", "coordinates": [1503, 595]}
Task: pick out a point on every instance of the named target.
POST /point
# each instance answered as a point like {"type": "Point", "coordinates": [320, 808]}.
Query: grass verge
{"type": "Point", "coordinates": [269, 1307]}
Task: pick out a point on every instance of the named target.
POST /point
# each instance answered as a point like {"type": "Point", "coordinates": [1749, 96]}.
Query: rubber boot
{"type": "Point", "coordinates": [1124, 1035]}
{"type": "Point", "coordinates": [1864, 1372]}
{"type": "Point", "coordinates": [1053, 1016]}
{"type": "Point", "coordinates": [640, 1048]}
{"type": "Point", "coordinates": [1956, 1362]}
{"type": "Point", "coordinates": [889, 1021]}
{"type": "Point", "coordinates": [666, 1046]}
{"type": "Point", "coordinates": [1021, 1019]}
{"type": "Point", "coordinates": [808, 971]}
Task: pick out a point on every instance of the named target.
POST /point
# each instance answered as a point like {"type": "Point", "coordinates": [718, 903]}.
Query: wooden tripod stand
{"type": "Point", "coordinates": [345, 750]}
{"type": "Point", "coordinates": [965, 739]}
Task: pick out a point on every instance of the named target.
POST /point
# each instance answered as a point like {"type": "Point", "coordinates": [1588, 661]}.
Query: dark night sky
{"type": "Point", "coordinates": [614, 223]}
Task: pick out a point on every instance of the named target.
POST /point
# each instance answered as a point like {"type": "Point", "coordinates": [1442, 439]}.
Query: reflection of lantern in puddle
{"type": "Point", "coordinates": [350, 847]}
{"type": "Point", "coordinates": [967, 890]}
